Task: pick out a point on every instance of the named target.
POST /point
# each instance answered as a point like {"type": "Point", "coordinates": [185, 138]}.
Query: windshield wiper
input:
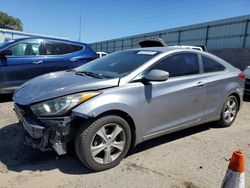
{"type": "Point", "coordinates": [92, 74]}
{"type": "Point", "coordinates": [71, 70]}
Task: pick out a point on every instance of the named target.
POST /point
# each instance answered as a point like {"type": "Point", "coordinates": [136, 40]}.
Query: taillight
{"type": "Point", "coordinates": [242, 76]}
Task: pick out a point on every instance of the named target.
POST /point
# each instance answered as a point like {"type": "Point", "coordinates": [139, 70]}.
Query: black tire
{"type": "Point", "coordinates": [222, 122]}
{"type": "Point", "coordinates": [86, 134]}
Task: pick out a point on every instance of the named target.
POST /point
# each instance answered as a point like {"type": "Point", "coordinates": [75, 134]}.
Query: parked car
{"type": "Point", "coordinates": [247, 82]}
{"type": "Point", "coordinates": [101, 54]}
{"type": "Point", "coordinates": [190, 47]}
{"type": "Point", "coordinates": [26, 58]}
{"type": "Point", "coordinates": [151, 42]}
{"type": "Point", "coordinates": [118, 101]}
{"type": "Point", "coordinates": [158, 42]}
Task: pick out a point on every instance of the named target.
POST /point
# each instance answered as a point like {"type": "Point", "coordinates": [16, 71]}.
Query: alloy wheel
{"type": "Point", "coordinates": [230, 110]}
{"type": "Point", "coordinates": [108, 143]}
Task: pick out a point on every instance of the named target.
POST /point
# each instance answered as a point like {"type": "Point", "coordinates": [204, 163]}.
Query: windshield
{"type": "Point", "coordinates": [118, 64]}
{"type": "Point", "coordinates": [2, 44]}
{"type": "Point", "coordinates": [6, 42]}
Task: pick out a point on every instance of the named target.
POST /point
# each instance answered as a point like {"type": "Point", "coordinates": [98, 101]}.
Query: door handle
{"type": "Point", "coordinates": [37, 62]}
{"type": "Point", "coordinates": [74, 59]}
{"type": "Point", "coordinates": [200, 84]}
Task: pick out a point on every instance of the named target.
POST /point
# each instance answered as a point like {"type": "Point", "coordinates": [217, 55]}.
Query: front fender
{"type": "Point", "coordinates": [101, 104]}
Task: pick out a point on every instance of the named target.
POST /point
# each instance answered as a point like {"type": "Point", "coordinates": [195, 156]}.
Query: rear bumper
{"type": "Point", "coordinates": [247, 87]}
{"type": "Point", "coordinates": [247, 92]}
{"type": "Point", "coordinates": [10, 87]}
{"type": "Point", "coordinates": [45, 133]}
{"type": "Point", "coordinates": [8, 90]}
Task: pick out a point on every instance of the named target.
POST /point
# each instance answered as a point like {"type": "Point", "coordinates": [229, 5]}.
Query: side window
{"type": "Point", "coordinates": [210, 65]}
{"type": "Point", "coordinates": [57, 48]}
{"type": "Point", "coordinates": [179, 64]}
{"type": "Point", "coordinates": [75, 48]}
{"type": "Point", "coordinates": [28, 48]}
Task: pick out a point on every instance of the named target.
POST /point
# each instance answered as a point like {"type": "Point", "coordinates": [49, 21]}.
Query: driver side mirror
{"type": "Point", "coordinates": [156, 75]}
{"type": "Point", "coordinates": [5, 53]}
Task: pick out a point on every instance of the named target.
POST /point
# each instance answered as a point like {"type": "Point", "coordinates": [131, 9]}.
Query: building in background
{"type": "Point", "coordinates": [227, 38]}
{"type": "Point", "coordinates": [6, 34]}
{"type": "Point", "coordinates": [226, 33]}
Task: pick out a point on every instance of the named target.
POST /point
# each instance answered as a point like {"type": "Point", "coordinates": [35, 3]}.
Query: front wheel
{"type": "Point", "coordinates": [103, 143]}
{"type": "Point", "coordinates": [229, 112]}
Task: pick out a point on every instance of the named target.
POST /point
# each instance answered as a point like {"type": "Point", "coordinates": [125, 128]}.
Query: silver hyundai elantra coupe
{"type": "Point", "coordinates": [118, 101]}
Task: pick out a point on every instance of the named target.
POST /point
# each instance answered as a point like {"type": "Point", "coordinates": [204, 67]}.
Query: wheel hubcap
{"type": "Point", "coordinates": [108, 143]}
{"type": "Point", "coordinates": [230, 110]}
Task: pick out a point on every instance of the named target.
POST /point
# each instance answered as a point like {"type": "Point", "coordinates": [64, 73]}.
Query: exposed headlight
{"type": "Point", "coordinates": [61, 105]}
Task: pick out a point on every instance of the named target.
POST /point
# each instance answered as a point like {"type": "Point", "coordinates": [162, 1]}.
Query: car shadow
{"type": "Point", "coordinates": [15, 156]}
{"type": "Point", "coordinates": [6, 97]}
{"type": "Point", "coordinates": [172, 137]}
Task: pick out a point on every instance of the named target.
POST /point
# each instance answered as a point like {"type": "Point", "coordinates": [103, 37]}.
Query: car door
{"type": "Point", "coordinates": [22, 64]}
{"type": "Point", "coordinates": [216, 81]}
{"type": "Point", "coordinates": [54, 56]}
{"type": "Point", "coordinates": [63, 56]}
{"type": "Point", "coordinates": [180, 100]}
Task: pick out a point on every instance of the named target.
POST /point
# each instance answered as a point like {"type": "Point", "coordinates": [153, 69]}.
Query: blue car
{"type": "Point", "coordinates": [26, 58]}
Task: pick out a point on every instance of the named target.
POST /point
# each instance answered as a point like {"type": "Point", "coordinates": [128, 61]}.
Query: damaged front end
{"type": "Point", "coordinates": [44, 133]}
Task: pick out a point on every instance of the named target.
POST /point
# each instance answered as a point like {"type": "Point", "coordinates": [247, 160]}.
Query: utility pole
{"type": "Point", "coordinates": [80, 27]}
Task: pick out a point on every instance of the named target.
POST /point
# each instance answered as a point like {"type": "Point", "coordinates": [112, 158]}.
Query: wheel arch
{"type": "Point", "coordinates": [120, 113]}
{"type": "Point", "coordinates": [125, 116]}
{"type": "Point", "coordinates": [237, 97]}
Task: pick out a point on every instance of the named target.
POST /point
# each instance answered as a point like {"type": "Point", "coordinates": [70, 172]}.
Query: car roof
{"type": "Point", "coordinates": [180, 49]}
{"type": "Point", "coordinates": [48, 38]}
{"type": "Point", "coordinates": [190, 47]}
{"type": "Point", "coordinates": [164, 49]}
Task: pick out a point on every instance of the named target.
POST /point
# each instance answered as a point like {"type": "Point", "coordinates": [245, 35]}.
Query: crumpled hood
{"type": "Point", "coordinates": [58, 84]}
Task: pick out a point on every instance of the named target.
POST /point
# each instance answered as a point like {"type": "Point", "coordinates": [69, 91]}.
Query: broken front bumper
{"type": "Point", "coordinates": [44, 133]}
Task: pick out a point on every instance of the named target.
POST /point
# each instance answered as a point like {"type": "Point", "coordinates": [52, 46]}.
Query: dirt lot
{"type": "Point", "coordinates": [197, 157]}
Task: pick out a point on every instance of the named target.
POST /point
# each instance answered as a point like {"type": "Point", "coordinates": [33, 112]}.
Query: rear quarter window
{"type": "Point", "coordinates": [210, 65]}
{"type": "Point", "coordinates": [75, 48]}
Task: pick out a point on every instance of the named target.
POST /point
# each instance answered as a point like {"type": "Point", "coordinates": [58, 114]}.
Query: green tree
{"type": "Point", "coordinates": [9, 22]}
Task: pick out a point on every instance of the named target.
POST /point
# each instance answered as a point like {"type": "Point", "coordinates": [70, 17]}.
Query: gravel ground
{"type": "Point", "coordinates": [196, 157]}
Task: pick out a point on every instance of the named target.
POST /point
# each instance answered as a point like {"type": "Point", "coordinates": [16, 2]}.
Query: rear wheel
{"type": "Point", "coordinates": [229, 111]}
{"type": "Point", "coordinates": [103, 143]}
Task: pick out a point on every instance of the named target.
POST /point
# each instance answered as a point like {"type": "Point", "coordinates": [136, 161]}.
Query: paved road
{"type": "Point", "coordinates": [196, 157]}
